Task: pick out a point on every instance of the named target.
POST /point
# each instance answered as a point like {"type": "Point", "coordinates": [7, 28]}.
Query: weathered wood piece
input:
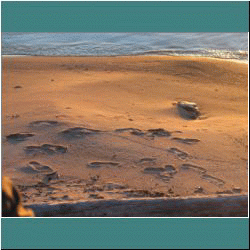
{"type": "Point", "coordinates": [215, 206]}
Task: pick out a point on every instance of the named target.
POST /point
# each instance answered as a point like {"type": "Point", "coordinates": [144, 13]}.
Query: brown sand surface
{"type": "Point", "coordinates": [44, 97]}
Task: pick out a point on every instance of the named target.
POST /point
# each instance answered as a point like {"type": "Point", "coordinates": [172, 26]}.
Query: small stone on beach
{"type": "Point", "coordinates": [188, 110]}
{"type": "Point", "coordinates": [198, 190]}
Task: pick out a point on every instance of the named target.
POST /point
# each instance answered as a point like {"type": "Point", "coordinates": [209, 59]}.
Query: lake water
{"type": "Point", "coordinates": [219, 45]}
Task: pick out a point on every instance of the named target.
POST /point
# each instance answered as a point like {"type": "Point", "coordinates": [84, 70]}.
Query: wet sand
{"type": "Point", "coordinates": [87, 128]}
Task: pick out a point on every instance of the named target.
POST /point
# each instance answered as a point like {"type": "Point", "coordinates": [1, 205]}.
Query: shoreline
{"type": "Point", "coordinates": [89, 120]}
{"type": "Point", "coordinates": [189, 207]}
{"type": "Point", "coordinates": [136, 55]}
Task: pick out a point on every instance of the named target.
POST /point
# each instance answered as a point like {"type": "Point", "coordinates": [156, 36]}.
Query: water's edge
{"type": "Point", "coordinates": [135, 55]}
{"type": "Point", "coordinates": [214, 45]}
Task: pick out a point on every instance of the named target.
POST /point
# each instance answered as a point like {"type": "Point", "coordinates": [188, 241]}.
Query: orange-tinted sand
{"type": "Point", "coordinates": [110, 93]}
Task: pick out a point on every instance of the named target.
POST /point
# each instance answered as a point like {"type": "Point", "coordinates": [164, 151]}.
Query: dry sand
{"type": "Point", "coordinates": [64, 118]}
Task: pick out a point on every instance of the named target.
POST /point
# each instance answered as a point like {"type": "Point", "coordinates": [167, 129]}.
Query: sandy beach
{"type": "Point", "coordinates": [87, 128]}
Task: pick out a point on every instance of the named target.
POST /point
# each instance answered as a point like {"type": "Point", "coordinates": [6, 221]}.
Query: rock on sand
{"type": "Point", "coordinates": [188, 110]}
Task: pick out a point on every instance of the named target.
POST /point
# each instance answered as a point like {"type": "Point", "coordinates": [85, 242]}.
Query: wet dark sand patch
{"type": "Point", "coordinates": [45, 149]}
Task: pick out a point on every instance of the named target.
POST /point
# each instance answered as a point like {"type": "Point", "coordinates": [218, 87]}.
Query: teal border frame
{"type": "Point", "coordinates": [110, 233]}
{"type": "Point", "coordinates": [121, 233]}
{"type": "Point", "coordinates": [120, 16]}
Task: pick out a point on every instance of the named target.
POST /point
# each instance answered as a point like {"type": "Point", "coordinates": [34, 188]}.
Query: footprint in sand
{"type": "Point", "coordinates": [204, 176]}
{"type": "Point", "coordinates": [45, 148]}
{"type": "Point", "coordinates": [181, 154]}
{"type": "Point", "coordinates": [98, 164]}
{"type": "Point", "coordinates": [46, 172]}
{"type": "Point", "coordinates": [186, 140]}
{"type": "Point", "coordinates": [154, 170]}
{"type": "Point", "coordinates": [147, 159]}
{"type": "Point", "coordinates": [168, 174]}
{"type": "Point", "coordinates": [49, 177]}
{"type": "Point", "coordinates": [164, 173]}
{"type": "Point", "coordinates": [158, 132]}
{"type": "Point", "coordinates": [78, 132]}
{"type": "Point", "coordinates": [142, 193]}
{"type": "Point", "coordinates": [14, 116]}
{"type": "Point", "coordinates": [96, 196]}
{"type": "Point", "coordinates": [45, 123]}
{"type": "Point", "coordinates": [18, 137]}
{"type": "Point", "coordinates": [133, 131]}
{"type": "Point", "coordinates": [170, 169]}
{"type": "Point", "coordinates": [213, 180]}
{"type": "Point", "coordinates": [18, 87]}
{"type": "Point", "coordinates": [35, 167]}
{"type": "Point", "coordinates": [113, 186]}
{"type": "Point", "coordinates": [198, 169]}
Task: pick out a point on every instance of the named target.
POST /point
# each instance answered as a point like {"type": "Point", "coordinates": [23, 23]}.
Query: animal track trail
{"type": "Point", "coordinates": [48, 149]}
